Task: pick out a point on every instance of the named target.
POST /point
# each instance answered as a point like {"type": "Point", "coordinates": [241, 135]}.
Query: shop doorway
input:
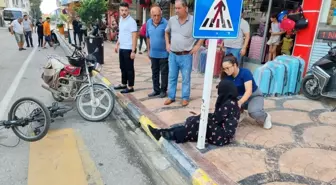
{"type": "Point", "coordinates": [257, 13]}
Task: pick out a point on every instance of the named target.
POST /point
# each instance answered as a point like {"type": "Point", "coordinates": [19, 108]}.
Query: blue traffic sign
{"type": "Point", "coordinates": [217, 19]}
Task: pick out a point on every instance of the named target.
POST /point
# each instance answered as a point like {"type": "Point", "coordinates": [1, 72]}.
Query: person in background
{"type": "Point", "coordinates": [274, 40]}
{"type": "Point", "coordinates": [237, 47]}
{"type": "Point", "coordinates": [28, 28]}
{"type": "Point", "coordinates": [181, 45]}
{"type": "Point", "coordinates": [126, 46]}
{"type": "Point", "coordinates": [16, 29]}
{"type": "Point", "coordinates": [249, 95]}
{"type": "Point", "coordinates": [157, 53]}
{"type": "Point", "coordinates": [222, 124]}
{"type": "Point", "coordinates": [142, 35]}
{"type": "Point", "coordinates": [287, 44]}
{"type": "Point", "coordinates": [83, 30]}
{"type": "Point", "coordinates": [39, 31]}
{"type": "Point", "coordinates": [47, 33]}
{"type": "Point", "coordinates": [76, 30]}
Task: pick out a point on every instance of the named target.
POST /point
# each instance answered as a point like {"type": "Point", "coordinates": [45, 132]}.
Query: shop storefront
{"type": "Point", "coordinates": [325, 32]}
{"type": "Point", "coordinates": [258, 12]}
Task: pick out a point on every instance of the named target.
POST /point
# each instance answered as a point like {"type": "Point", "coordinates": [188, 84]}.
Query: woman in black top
{"type": "Point", "coordinates": [221, 126]}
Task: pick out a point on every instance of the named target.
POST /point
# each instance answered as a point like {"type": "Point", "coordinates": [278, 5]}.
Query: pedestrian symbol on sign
{"type": "Point", "coordinates": [218, 17]}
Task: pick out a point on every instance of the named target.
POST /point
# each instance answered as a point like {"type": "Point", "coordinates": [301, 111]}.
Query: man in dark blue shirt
{"type": "Point", "coordinates": [39, 31]}
{"type": "Point", "coordinates": [156, 45]}
{"type": "Point", "coordinates": [76, 30]}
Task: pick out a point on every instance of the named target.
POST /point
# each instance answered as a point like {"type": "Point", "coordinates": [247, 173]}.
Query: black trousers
{"type": "Point", "coordinates": [126, 67]}
{"type": "Point", "coordinates": [40, 39]}
{"type": "Point", "coordinates": [160, 65]}
{"type": "Point", "coordinates": [142, 39]}
{"type": "Point", "coordinates": [79, 35]}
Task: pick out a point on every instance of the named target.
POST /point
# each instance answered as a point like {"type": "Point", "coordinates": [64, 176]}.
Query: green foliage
{"type": "Point", "coordinates": [63, 17]}
{"type": "Point", "coordinates": [91, 10]}
{"type": "Point", "coordinates": [35, 8]}
{"type": "Point", "coordinates": [59, 25]}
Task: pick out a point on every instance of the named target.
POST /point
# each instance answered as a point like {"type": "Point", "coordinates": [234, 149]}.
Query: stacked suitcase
{"type": "Point", "coordinates": [200, 66]}
{"type": "Point", "coordinates": [282, 76]}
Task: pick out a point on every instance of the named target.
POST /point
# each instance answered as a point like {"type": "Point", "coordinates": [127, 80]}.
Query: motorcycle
{"type": "Point", "coordinates": [320, 80]}
{"type": "Point", "coordinates": [75, 81]}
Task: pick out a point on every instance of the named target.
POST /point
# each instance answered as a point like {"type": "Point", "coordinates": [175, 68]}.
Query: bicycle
{"type": "Point", "coordinates": [39, 115]}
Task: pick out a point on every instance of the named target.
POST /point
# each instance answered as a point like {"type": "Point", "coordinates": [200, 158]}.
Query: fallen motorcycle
{"type": "Point", "coordinates": [74, 81]}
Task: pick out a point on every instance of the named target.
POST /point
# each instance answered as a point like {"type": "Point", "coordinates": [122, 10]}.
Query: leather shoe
{"type": "Point", "coordinates": [185, 103]}
{"type": "Point", "coordinates": [153, 94]}
{"type": "Point", "coordinates": [163, 94]}
{"type": "Point", "coordinates": [125, 91]}
{"type": "Point", "coordinates": [168, 102]}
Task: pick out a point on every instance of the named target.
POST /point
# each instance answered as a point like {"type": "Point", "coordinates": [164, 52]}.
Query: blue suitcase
{"type": "Point", "coordinates": [280, 78]}
{"type": "Point", "coordinates": [202, 61]}
{"type": "Point", "coordinates": [296, 66]}
{"type": "Point", "coordinates": [263, 77]}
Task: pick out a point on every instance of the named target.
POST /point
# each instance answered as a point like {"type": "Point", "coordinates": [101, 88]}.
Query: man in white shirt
{"type": "Point", "coordinates": [126, 46]}
{"type": "Point", "coordinates": [16, 29]}
{"type": "Point", "coordinates": [28, 28]}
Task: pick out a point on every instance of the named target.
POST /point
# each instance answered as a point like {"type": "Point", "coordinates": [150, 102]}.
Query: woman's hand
{"type": "Point", "coordinates": [240, 104]}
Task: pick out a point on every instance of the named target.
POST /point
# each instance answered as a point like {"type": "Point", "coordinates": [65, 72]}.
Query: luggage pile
{"type": "Point", "coordinates": [280, 77]}
{"type": "Point", "coordinates": [199, 61]}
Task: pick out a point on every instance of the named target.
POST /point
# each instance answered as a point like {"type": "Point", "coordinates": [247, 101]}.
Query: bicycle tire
{"type": "Point", "coordinates": [45, 111]}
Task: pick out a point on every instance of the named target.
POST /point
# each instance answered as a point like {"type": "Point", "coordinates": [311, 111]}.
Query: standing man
{"type": "Point", "coordinates": [156, 46]}
{"type": "Point", "coordinates": [47, 33]}
{"type": "Point", "coordinates": [39, 31]}
{"type": "Point", "coordinates": [181, 45]}
{"type": "Point", "coordinates": [16, 29]}
{"type": "Point", "coordinates": [126, 46]}
{"type": "Point", "coordinates": [237, 47]}
{"type": "Point", "coordinates": [28, 28]}
{"type": "Point", "coordinates": [76, 30]}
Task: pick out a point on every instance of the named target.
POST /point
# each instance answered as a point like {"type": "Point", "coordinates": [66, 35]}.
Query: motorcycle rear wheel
{"type": "Point", "coordinates": [306, 82]}
{"type": "Point", "coordinates": [85, 94]}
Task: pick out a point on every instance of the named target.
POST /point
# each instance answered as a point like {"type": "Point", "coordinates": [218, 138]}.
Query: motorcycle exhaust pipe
{"type": "Point", "coordinates": [50, 89]}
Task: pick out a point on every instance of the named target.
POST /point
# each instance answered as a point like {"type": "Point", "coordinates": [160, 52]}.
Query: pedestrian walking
{"type": "Point", "coordinates": [39, 31]}
{"type": "Point", "coordinates": [156, 46]}
{"type": "Point", "coordinates": [76, 30]}
{"type": "Point", "coordinates": [16, 29]}
{"type": "Point", "coordinates": [181, 45]}
{"type": "Point", "coordinates": [126, 46]}
{"type": "Point", "coordinates": [47, 33]}
{"type": "Point", "coordinates": [28, 28]}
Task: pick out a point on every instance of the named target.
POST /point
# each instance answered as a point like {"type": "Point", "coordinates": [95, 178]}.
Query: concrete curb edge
{"type": "Point", "coordinates": [196, 175]}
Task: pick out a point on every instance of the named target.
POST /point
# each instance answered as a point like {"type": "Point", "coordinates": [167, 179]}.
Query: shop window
{"type": "Point", "coordinates": [257, 15]}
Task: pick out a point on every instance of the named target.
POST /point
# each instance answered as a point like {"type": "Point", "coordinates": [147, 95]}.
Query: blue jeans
{"type": "Point", "coordinates": [177, 63]}
{"type": "Point", "coordinates": [236, 53]}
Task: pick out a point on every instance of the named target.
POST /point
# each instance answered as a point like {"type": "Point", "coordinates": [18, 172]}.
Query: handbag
{"type": "Point", "coordinates": [298, 17]}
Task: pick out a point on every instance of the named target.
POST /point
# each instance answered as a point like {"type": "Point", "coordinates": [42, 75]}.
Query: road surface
{"type": "Point", "coordinates": [116, 161]}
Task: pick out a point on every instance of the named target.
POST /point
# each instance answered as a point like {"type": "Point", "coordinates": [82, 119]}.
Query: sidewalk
{"type": "Point", "coordinates": [299, 149]}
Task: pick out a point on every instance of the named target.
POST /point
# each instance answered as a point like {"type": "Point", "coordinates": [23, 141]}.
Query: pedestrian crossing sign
{"type": "Point", "coordinates": [215, 19]}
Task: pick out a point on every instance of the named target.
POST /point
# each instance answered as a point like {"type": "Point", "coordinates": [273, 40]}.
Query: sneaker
{"type": "Point", "coordinates": [268, 122]}
{"type": "Point", "coordinates": [243, 115]}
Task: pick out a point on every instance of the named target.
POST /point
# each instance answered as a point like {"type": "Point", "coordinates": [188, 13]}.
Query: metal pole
{"type": "Point", "coordinates": [207, 87]}
{"type": "Point", "coordinates": [266, 29]}
{"type": "Point", "coordinates": [144, 16]}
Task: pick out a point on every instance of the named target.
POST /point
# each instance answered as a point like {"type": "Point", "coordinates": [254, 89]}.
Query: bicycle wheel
{"type": "Point", "coordinates": [37, 120]}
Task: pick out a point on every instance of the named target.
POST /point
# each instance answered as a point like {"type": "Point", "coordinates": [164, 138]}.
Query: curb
{"type": "Point", "coordinates": [188, 168]}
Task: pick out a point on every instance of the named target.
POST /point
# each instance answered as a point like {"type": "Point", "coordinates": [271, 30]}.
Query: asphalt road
{"type": "Point", "coordinates": [115, 159]}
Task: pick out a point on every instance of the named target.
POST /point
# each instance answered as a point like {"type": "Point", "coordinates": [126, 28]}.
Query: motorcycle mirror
{"type": "Point", "coordinates": [96, 50]}
{"type": "Point", "coordinates": [329, 44]}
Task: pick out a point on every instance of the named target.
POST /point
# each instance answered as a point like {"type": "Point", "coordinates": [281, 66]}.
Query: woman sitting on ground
{"type": "Point", "coordinates": [222, 123]}
{"type": "Point", "coordinates": [250, 97]}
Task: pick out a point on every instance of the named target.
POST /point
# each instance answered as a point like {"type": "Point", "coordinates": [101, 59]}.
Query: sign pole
{"type": "Point", "coordinates": [207, 87]}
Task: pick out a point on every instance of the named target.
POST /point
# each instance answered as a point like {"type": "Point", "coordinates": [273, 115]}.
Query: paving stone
{"type": "Point", "coordinates": [290, 117]}
{"type": "Point", "coordinates": [155, 104]}
{"type": "Point", "coordinates": [328, 117]}
{"type": "Point", "coordinates": [284, 183]}
{"type": "Point", "coordinates": [325, 135]}
{"type": "Point", "coordinates": [314, 163]}
{"type": "Point", "coordinates": [237, 162]}
{"type": "Point", "coordinates": [171, 117]}
{"type": "Point", "coordinates": [306, 105]}
{"type": "Point", "coordinates": [141, 93]}
{"type": "Point", "coordinates": [255, 134]}
{"type": "Point", "coordinates": [196, 104]}
{"type": "Point", "coordinates": [269, 104]}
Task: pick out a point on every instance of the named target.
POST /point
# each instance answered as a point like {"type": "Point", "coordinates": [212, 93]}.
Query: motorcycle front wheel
{"type": "Point", "coordinates": [308, 90]}
{"type": "Point", "coordinates": [96, 109]}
